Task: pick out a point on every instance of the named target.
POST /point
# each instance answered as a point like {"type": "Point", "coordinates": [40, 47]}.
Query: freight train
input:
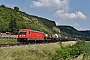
{"type": "Point", "coordinates": [26, 35]}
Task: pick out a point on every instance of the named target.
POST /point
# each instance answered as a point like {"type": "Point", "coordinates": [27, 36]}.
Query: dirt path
{"type": "Point", "coordinates": [79, 57]}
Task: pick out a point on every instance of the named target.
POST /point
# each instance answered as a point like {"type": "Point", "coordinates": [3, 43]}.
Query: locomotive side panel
{"type": "Point", "coordinates": [37, 35]}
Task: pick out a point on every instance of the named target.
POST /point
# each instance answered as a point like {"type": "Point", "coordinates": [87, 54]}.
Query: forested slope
{"type": "Point", "coordinates": [11, 19]}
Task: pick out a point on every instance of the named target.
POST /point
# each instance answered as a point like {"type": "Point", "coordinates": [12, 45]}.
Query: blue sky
{"type": "Point", "coordinates": [74, 13]}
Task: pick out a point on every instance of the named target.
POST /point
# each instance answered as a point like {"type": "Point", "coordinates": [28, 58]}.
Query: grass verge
{"type": "Point", "coordinates": [31, 51]}
{"type": "Point", "coordinates": [8, 41]}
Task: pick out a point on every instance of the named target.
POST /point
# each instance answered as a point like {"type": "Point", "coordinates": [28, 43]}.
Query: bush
{"type": "Point", "coordinates": [78, 49]}
{"type": "Point", "coordinates": [62, 54]}
{"type": "Point", "coordinates": [69, 51]}
{"type": "Point", "coordinates": [87, 51]}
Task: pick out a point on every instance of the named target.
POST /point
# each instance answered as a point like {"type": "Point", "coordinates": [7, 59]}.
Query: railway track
{"type": "Point", "coordinates": [8, 45]}
{"type": "Point", "coordinates": [33, 42]}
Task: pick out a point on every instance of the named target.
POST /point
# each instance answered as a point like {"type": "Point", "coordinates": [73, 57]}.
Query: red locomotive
{"type": "Point", "coordinates": [27, 35]}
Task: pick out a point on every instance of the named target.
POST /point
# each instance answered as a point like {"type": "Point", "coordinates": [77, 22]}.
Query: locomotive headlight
{"type": "Point", "coordinates": [23, 35]}
{"type": "Point", "coordinates": [20, 35]}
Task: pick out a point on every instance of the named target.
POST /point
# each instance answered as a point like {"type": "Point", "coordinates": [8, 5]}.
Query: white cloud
{"type": "Point", "coordinates": [51, 4]}
{"type": "Point", "coordinates": [76, 25]}
{"type": "Point", "coordinates": [80, 15]}
{"type": "Point", "coordinates": [61, 14]}
{"type": "Point", "coordinates": [62, 5]}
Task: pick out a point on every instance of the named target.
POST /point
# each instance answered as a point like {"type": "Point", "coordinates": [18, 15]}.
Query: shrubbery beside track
{"type": "Point", "coordinates": [70, 51]}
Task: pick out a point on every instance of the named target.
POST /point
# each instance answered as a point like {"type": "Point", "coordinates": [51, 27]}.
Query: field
{"type": "Point", "coordinates": [31, 51]}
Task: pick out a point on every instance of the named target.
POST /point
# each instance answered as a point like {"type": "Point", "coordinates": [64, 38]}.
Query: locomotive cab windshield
{"type": "Point", "coordinates": [22, 32]}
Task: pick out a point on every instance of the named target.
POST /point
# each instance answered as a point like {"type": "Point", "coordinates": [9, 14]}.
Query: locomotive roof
{"type": "Point", "coordinates": [36, 31]}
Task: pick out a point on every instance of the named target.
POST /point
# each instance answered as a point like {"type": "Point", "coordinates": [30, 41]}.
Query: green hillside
{"type": "Point", "coordinates": [70, 31]}
{"type": "Point", "coordinates": [87, 34]}
{"type": "Point", "coordinates": [13, 19]}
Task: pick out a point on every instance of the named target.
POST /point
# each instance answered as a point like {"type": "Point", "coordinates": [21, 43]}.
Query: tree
{"type": "Point", "coordinates": [13, 26]}
{"type": "Point", "coordinates": [3, 6]}
{"type": "Point", "coordinates": [1, 26]}
{"type": "Point", "coordinates": [16, 8]}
